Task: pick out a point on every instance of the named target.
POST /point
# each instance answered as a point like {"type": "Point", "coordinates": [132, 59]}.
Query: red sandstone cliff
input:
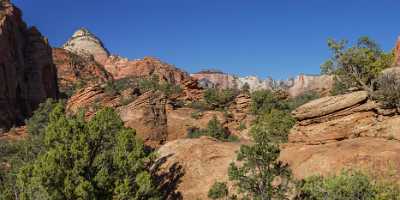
{"type": "Point", "coordinates": [27, 73]}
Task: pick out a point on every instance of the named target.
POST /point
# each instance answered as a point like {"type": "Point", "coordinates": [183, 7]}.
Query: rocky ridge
{"type": "Point", "coordinates": [27, 73]}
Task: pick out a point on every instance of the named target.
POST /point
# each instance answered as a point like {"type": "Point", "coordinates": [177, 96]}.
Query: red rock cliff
{"type": "Point", "coordinates": [27, 73]}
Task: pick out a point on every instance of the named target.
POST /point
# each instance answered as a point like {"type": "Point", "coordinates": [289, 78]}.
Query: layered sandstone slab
{"type": "Point", "coordinates": [341, 132]}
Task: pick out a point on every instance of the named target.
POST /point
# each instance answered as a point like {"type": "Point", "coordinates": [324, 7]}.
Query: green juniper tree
{"type": "Point", "coordinates": [99, 159]}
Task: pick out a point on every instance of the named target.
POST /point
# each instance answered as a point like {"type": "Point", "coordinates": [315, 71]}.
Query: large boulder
{"type": "Point", "coordinates": [27, 73]}
{"type": "Point", "coordinates": [330, 104]}
{"type": "Point", "coordinates": [342, 132]}
{"type": "Point", "coordinates": [202, 161]}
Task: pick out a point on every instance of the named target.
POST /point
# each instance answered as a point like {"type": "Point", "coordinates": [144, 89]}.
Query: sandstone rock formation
{"type": "Point", "coordinates": [346, 131]}
{"type": "Point", "coordinates": [143, 112]}
{"type": "Point", "coordinates": [203, 161]}
{"type": "Point", "coordinates": [86, 44]}
{"type": "Point", "coordinates": [397, 53]}
{"type": "Point", "coordinates": [147, 115]}
{"type": "Point", "coordinates": [74, 70]}
{"type": "Point", "coordinates": [27, 73]}
{"type": "Point", "coordinates": [294, 86]}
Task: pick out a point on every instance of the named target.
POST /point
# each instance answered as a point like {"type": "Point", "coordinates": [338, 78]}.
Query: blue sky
{"type": "Point", "coordinates": [279, 38]}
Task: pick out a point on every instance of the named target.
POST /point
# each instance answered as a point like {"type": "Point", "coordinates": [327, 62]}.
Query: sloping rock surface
{"type": "Point", "coordinates": [203, 161]}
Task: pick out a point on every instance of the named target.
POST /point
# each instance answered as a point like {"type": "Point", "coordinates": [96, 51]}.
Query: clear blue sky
{"type": "Point", "coordinates": [277, 38]}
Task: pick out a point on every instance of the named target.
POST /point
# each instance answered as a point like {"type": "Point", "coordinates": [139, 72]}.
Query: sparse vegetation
{"type": "Point", "coordinates": [302, 99]}
{"type": "Point", "coordinates": [348, 185]}
{"type": "Point", "coordinates": [388, 91]}
{"type": "Point", "coordinates": [220, 99]}
{"type": "Point", "coordinates": [263, 101]}
{"type": "Point", "coordinates": [214, 129]}
{"type": "Point", "coordinates": [219, 190]}
{"type": "Point", "coordinates": [357, 66]}
{"type": "Point", "coordinates": [196, 114]}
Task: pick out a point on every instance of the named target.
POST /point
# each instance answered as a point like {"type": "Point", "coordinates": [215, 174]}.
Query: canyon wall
{"type": "Point", "coordinates": [27, 73]}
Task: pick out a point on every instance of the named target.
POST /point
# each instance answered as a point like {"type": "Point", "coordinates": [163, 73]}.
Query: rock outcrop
{"type": "Point", "coordinates": [123, 68]}
{"type": "Point", "coordinates": [202, 161]}
{"type": "Point", "coordinates": [147, 115]}
{"type": "Point", "coordinates": [86, 44]}
{"type": "Point", "coordinates": [143, 112]}
{"type": "Point", "coordinates": [340, 132]}
{"type": "Point", "coordinates": [294, 86]}
{"type": "Point", "coordinates": [27, 73]}
{"type": "Point", "coordinates": [74, 70]}
{"type": "Point", "coordinates": [397, 53]}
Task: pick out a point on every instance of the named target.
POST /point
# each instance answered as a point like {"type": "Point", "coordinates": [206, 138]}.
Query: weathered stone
{"type": "Point", "coordinates": [327, 105]}
{"type": "Point", "coordinates": [202, 161]}
{"type": "Point", "coordinates": [27, 73]}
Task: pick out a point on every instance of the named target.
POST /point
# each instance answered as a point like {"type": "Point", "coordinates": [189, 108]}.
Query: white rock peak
{"type": "Point", "coordinates": [85, 43]}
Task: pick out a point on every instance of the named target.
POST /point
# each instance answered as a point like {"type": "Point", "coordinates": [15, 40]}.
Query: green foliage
{"type": "Point", "coordinates": [265, 100]}
{"type": "Point", "coordinates": [196, 114]}
{"type": "Point", "coordinates": [242, 126]}
{"type": "Point", "coordinates": [37, 124]}
{"type": "Point", "coordinates": [214, 129]}
{"type": "Point", "coordinates": [348, 185]}
{"type": "Point", "coordinates": [216, 98]}
{"type": "Point", "coordinates": [388, 92]}
{"type": "Point", "coordinates": [99, 159]}
{"type": "Point", "coordinates": [357, 66]}
{"type": "Point", "coordinates": [218, 190]}
{"type": "Point", "coordinates": [245, 88]}
{"type": "Point", "coordinates": [276, 124]}
{"type": "Point", "coordinates": [302, 99]}
{"type": "Point", "coordinates": [260, 168]}
{"type": "Point", "coordinates": [114, 87]}
{"type": "Point", "coordinates": [199, 105]}
{"type": "Point", "coordinates": [153, 83]}
{"type": "Point", "coordinates": [17, 154]}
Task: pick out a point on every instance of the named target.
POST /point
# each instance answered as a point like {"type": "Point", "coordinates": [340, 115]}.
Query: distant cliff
{"type": "Point", "coordinates": [294, 86]}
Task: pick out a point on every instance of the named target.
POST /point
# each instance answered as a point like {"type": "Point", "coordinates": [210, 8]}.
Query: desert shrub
{"type": "Point", "coordinates": [99, 159]}
{"type": "Point", "coordinates": [259, 168]}
{"type": "Point", "coordinates": [265, 100]}
{"type": "Point", "coordinates": [216, 98]}
{"type": "Point", "coordinates": [40, 118]}
{"type": "Point", "coordinates": [302, 99]}
{"type": "Point", "coordinates": [196, 114]}
{"type": "Point", "coordinates": [276, 124]}
{"type": "Point", "coordinates": [245, 88]}
{"type": "Point", "coordinates": [114, 87]}
{"type": "Point", "coordinates": [348, 185]}
{"type": "Point", "coordinates": [214, 129]}
{"type": "Point", "coordinates": [199, 105]}
{"type": "Point", "coordinates": [218, 190]}
{"type": "Point", "coordinates": [357, 66]}
{"type": "Point", "coordinates": [242, 126]}
{"type": "Point", "coordinates": [153, 83]}
{"type": "Point", "coordinates": [388, 92]}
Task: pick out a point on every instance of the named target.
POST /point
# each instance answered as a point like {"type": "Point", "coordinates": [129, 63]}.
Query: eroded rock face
{"type": "Point", "coordinates": [122, 68]}
{"type": "Point", "coordinates": [73, 69]}
{"type": "Point", "coordinates": [202, 161]}
{"type": "Point", "coordinates": [340, 132]}
{"type": "Point", "coordinates": [303, 83]}
{"type": "Point", "coordinates": [147, 115]}
{"type": "Point", "coordinates": [27, 73]}
{"type": "Point", "coordinates": [86, 44]}
{"type": "Point", "coordinates": [143, 112]}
